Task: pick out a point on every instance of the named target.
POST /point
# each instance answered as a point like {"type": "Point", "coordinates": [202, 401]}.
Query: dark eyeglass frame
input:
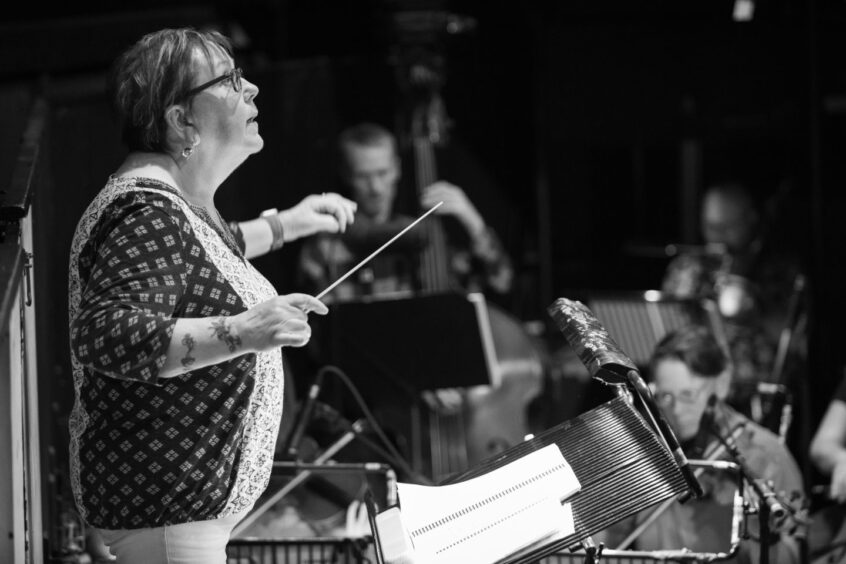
{"type": "Point", "coordinates": [234, 76]}
{"type": "Point", "coordinates": [669, 400]}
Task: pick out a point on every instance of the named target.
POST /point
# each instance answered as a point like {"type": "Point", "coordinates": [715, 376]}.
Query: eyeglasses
{"type": "Point", "coordinates": [233, 76]}
{"type": "Point", "coordinates": [686, 397]}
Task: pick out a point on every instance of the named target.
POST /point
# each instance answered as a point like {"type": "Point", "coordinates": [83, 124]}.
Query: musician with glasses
{"type": "Point", "coordinates": [175, 337]}
{"type": "Point", "coordinates": [687, 367]}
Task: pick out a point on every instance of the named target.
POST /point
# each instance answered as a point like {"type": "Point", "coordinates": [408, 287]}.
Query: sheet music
{"type": "Point", "coordinates": [487, 518]}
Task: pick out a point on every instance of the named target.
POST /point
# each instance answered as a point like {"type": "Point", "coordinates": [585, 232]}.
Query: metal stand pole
{"type": "Point", "coordinates": [764, 528]}
{"type": "Point", "coordinates": [371, 517]}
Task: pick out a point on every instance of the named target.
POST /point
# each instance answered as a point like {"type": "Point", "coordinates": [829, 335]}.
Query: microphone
{"type": "Point", "coordinates": [303, 417]}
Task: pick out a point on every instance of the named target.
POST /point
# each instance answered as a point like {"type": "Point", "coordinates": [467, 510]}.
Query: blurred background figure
{"type": "Point", "coordinates": [457, 251]}
{"type": "Point", "coordinates": [371, 169]}
{"type": "Point", "coordinates": [751, 281]}
{"type": "Point", "coordinates": [729, 226]}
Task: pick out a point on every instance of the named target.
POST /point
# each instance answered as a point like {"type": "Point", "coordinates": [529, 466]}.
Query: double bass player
{"type": "Point", "coordinates": [475, 259]}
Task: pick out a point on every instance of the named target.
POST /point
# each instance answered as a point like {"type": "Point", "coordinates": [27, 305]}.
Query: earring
{"type": "Point", "coordinates": [187, 151]}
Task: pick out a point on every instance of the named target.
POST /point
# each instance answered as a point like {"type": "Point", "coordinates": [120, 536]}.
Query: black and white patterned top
{"type": "Point", "coordinates": [147, 452]}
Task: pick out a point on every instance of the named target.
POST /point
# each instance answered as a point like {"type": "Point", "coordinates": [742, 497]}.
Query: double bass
{"type": "Point", "coordinates": [489, 419]}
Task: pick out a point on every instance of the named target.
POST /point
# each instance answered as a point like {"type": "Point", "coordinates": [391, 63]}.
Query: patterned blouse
{"type": "Point", "coordinates": [145, 451]}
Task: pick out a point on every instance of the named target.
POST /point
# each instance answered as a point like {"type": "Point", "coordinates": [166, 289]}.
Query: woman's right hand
{"type": "Point", "coordinates": [281, 321]}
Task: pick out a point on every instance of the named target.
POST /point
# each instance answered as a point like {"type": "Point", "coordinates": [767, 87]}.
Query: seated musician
{"type": "Point", "coordinates": [687, 367]}
{"type": "Point", "coordinates": [749, 273]}
{"type": "Point", "coordinates": [371, 171]}
{"type": "Point", "coordinates": [474, 259]}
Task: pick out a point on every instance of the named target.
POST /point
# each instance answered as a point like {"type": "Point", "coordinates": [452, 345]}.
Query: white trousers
{"type": "Point", "coordinates": [200, 542]}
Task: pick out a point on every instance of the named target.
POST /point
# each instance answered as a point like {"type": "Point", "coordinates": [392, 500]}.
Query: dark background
{"type": "Point", "coordinates": [598, 124]}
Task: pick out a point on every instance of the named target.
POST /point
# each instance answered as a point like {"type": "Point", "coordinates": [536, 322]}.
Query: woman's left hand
{"type": "Point", "coordinates": [329, 213]}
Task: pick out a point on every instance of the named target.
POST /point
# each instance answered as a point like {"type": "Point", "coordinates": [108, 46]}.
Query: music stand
{"type": "Point", "coordinates": [418, 343]}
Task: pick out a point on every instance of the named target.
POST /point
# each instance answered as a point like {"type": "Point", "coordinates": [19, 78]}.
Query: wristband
{"type": "Point", "coordinates": [271, 216]}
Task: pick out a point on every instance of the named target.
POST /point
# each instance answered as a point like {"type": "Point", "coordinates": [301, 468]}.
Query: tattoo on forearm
{"type": "Point", "coordinates": [189, 343]}
{"type": "Point", "coordinates": [221, 330]}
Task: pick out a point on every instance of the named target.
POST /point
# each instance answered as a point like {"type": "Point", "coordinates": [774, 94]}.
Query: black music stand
{"type": "Point", "coordinates": [417, 343]}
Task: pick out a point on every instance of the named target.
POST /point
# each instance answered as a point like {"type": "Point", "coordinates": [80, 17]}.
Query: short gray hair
{"type": "Point", "coordinates": [152, 75]}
